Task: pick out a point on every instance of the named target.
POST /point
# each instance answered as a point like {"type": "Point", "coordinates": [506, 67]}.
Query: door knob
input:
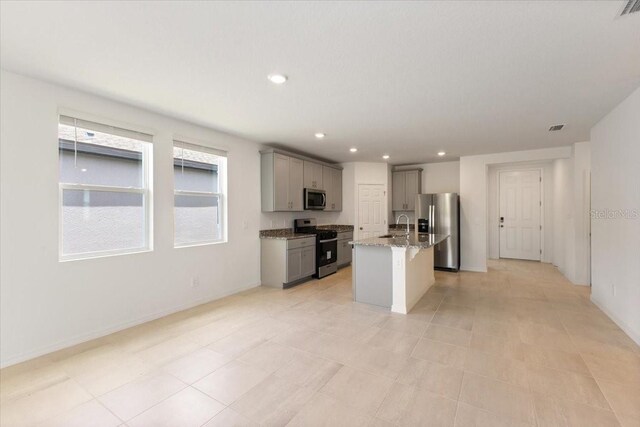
{"type": "Point", "coordinates": [501, 226]}
{"type": "Point", "coordinates": [360, 228]}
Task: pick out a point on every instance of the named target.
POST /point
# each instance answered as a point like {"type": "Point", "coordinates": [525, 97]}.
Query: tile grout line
{"type": "Point", "coordinates": [591, 372]}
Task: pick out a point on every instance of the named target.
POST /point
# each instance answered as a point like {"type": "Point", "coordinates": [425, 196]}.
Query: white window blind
{"type": "Point", "coordinates": [104, 189]}
{"type": "Point", "coordinates": [107, 129]}
{"type": "Point", "coordinates": [199, 194]}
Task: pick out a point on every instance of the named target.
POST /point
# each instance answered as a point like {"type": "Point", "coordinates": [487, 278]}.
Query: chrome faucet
{"type": "Point", "coordinates": [398, 222]}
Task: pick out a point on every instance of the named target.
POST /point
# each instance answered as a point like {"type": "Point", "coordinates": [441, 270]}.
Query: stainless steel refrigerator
{"type": "Point", "coordinates": [440, 214]}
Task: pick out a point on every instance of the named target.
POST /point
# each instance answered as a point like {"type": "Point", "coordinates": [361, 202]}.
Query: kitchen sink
{"type": "Point", "coordinates": [393, 236]}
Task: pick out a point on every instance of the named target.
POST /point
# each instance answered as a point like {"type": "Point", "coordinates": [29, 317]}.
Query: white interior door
{"type": "Point", "coordinates": [371, 211]}
{"type": "Point", "coordinates": [520, 207]}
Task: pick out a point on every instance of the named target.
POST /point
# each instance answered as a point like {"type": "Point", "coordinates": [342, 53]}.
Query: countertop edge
{"type": "Point", "coordinates": [399, 242]}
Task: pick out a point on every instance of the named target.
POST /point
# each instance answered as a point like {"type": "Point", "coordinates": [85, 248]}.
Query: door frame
{"type": "Point", "coordinates": [542, 206]}
{"type": "Point", "coordinates": [356, 220]}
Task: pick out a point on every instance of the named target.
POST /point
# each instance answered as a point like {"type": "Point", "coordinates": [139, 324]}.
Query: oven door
{"type": "Point", "coordinates": [314, 199]}
{"type": "Point", "coordinates": [327, 251]}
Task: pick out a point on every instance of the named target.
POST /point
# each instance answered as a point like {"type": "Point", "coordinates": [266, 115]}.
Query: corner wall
{"type": "Point", "coordinates": [45, 304]}
{"type": "Point", "coordinates": [474, 200]}
{"type": "Point", "coordinates": [615, 221]}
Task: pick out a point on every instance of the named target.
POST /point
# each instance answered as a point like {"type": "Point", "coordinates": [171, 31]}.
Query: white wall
{"type": "Point", "coordinates": [46, 304]}
{"type": "Point", "coordinates": [493, 219]}
{"type": "Point", "coordinates": [563, 237]}
{"type": "Point", "coordinates": [474, 199]}
{"type": "Point", "coordinates": [581, 156]}
{"type": "Point", "coordinates": [441, 177]}
{"type": "Point", "coordinates": [615, 245]}
{"type": "Point", "coordinates": [349, 213]}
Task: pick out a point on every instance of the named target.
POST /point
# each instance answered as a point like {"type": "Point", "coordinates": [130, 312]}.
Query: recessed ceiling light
{"type": "Point", "coordinates": [441, 153]}
{"type": "Point", "coordinates": [320, 135]}
{"type": "Point", "coordinates": [353, 150]}
{"type": "Point", "coordinates": [83, 170]}
{"type": "Point", "coordinates": [277, 78]}
{"type": "Point", "coordinates": [386, 156]}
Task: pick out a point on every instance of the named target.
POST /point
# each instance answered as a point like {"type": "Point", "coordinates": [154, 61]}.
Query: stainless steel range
{"type": "Point", "coordinates": [326, 246]}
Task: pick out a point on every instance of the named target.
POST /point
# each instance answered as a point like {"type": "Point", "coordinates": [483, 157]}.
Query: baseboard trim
{"type": "Point", "coordinates": [625, 328]}
{"type": "Point", "coordinates": [473, 269]}
{"type": "Point", "coordinates": [79, 339]}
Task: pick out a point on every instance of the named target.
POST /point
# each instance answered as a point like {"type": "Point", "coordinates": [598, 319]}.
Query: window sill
{"type": "Point", "coordinates": [95, 255]}
{"type": "Point", "coordinates": [191, 245]}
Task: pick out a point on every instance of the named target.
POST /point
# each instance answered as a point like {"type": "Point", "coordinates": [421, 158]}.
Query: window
{"type": "Point", "coordinates": [104, 189]}
{"type": "Point", "coordinates": [199, 194]}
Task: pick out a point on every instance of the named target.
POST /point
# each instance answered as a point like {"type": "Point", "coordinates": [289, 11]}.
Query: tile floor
{"type": "Point", "coordinates": [517, 346]}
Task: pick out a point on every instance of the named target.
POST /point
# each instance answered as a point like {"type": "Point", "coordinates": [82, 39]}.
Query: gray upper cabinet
{"type": "Point", "coordinates": [336, 205]}
{"type": "Point", "coordinates": [313, 175]}
{"type": "Point", "coordinates": [284, 176]}
{"type": "Point", "coordinates": [411, 188]}
{"type": "Point", "coordinates": [397, 191]}
{"type": "Point", "coordinates": [332, 182]}
{"type": "Point", "coordinates": [296, 190]}
{"type": "Point", "coordinates": [406, 185]}
{"type": "Point", "coordinates": [281, 181]}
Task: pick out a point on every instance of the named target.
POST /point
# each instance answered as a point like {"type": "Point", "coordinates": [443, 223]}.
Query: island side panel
{"type": "Point", "coordinates": [372, 275]}
{"type": "Point", "coordinates": [419, 274]}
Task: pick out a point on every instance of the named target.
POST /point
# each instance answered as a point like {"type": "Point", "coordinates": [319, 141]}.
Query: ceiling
{"type": "Point", "coordinates": [405, 79]}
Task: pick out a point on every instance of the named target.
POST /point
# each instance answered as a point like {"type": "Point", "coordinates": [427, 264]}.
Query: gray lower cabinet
{"type": "Point", "coordinates": [283, 262]}
{"type": "Point", "coordinates": [308, 261]}
{"type": "Point", "coordinates": [344, 248]}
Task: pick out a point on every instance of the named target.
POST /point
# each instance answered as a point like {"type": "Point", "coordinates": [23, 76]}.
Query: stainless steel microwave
{"type": "Point", "coordinates": [315, 199]}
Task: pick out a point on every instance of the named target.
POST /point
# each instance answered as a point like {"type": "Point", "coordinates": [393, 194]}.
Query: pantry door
{"type": "Point", "coordinates": [520, 213]}
{"type": "Point", "coordinates": [371, 210]}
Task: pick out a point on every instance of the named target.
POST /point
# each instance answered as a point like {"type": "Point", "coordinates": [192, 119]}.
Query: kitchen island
{"type": "Point", "coordinates": [394, 271]}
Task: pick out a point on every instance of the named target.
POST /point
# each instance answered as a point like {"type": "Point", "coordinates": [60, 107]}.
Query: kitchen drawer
{"type": "Point", "coordinates": [301, 243]}
{"type": "Point", "coordinates": [345, 235]}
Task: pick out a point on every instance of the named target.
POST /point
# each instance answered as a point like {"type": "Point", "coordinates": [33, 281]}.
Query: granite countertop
{"type": "Point", "coordinates": [336, 227]}
{"type": "Point", "coordinates": [414, 241]}
{"type": "Point", "coordinates": [288, 234]}
{"type": "Point", "coordinates": [283, 234]}
{"type": "Point", "coordinates": [397, 227]}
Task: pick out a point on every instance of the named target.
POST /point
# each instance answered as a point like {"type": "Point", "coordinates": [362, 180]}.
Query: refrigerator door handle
{"type": "Point", "coordinates": [431, 218]}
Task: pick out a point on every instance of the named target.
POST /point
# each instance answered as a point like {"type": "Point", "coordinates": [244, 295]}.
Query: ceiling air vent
{"type": "Point", "coordinates": [632, 6]}
{"type": "Point", "coordinates": [557, 127]}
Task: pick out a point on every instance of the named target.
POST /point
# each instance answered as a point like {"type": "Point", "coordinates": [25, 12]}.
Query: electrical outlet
{"type": "Point", "coordinates": [195, 282]}
{"type": "Point", "coordinates": [245, 224]}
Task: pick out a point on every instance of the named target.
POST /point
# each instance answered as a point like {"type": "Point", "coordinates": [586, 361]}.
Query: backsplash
{"type": "Point", "coordinates": [273, 220]}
